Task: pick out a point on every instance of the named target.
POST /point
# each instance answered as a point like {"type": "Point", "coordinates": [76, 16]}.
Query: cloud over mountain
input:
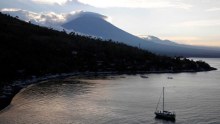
{"type": "Point", "coordinates": [49, 19]}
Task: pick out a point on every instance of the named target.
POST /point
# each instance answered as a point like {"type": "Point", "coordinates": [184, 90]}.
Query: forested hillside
{"type": "Point", "coordinates": [27, 50]}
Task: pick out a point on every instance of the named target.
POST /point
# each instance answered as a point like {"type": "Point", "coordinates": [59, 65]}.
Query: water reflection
{"type": "Point", "coordinates": [164, 121]}
{"type": "Point", "coordinates": [118, 99]}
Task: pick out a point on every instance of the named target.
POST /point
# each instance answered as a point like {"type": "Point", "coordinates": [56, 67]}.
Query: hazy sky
{"type": "Point", "coordinates": [195, 22]}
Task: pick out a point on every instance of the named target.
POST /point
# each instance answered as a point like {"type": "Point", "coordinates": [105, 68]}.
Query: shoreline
{"type": "Point", "coordinates": [8, 92]}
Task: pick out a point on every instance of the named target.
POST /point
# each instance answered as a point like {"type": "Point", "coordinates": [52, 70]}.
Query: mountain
{"type": "Point", "coordinates": [96, 25]}
{"type": "Point", "coordinates": [27, 49]}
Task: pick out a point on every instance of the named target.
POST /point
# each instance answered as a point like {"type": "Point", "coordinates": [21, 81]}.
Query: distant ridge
{"type": "Point", "coordinates": [95, 25]}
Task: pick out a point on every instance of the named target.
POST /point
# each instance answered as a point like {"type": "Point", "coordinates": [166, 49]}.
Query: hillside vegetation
{"type": "Point", "coordinates": [27, 50]}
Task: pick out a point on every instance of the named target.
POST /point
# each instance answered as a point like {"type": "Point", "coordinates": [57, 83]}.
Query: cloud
{"type": "Point", "coordinates": [122, 3]}
{"type": "Point", "coordinates": [213, 9]}
{"type": "Point", "coordinates": [76, 14]}
{"type": "Point", "coordinates": [60, 2]}
{"type": "Point", "coordinates": [193, 40]}
{"type": "Point", "coordinates": [199, 23]}
{"type": "Point", "coordinates": [49, 19]}
{"type": "Point", "coordinates": [137, 3]}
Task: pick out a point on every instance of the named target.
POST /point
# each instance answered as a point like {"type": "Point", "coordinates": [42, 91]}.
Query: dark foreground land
{"type": "Point", "coordinates": [29, 51]}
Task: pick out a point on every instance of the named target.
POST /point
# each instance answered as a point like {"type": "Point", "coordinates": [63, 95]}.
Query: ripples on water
{"type": "Point", "coordinates": [194, 96]}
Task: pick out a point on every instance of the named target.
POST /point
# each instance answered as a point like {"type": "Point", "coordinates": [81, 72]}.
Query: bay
{"type": "Point", "coordinates": [124, 99]}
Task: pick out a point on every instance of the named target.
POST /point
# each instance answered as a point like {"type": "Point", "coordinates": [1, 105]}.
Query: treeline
{"type": "Point", "coordinates": [27, 49]}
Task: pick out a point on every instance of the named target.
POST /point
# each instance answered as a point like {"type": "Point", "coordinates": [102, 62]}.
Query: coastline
{"type": "Point", "coordinates": [8, 92]}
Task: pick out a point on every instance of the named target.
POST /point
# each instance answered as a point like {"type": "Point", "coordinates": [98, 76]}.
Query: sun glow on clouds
{"type": "Point", "coordinates": [199, 23]}
{"type": "Point", "coordinates": [47, 19]}
{"type": "Point", "coordinates": [213, 9]}
{"type": "Point", "coordinates": [193, 40]}
{"type": "Point", "coordinates": [124, 3]}
{"type": "Point", "coordinates": [60, 2]}
{"type": "Point", "coordinates": [41, 18]}
{"type": "Point", "coordinates": [50, 19]}
{"type": "Point", "coordinates": [136, 3]}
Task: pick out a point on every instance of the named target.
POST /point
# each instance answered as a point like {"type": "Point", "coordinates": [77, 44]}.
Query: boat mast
{"type": "Point", "coordinates": [163, 99]}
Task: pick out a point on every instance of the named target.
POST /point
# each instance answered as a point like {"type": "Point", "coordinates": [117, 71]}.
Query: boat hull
{"type": "Point", "coordinates": [165, 116]}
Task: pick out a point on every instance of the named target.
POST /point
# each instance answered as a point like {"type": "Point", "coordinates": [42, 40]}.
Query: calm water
{"type": "Point", "coordinates": [195, 97]}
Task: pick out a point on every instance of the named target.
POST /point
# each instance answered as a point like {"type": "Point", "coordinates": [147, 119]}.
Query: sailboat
{"type": "Point", "coordinates": [163, 114]}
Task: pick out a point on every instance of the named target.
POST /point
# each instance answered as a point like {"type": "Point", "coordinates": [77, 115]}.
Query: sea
{"type": "Point", "coordinates": [119, 99]}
